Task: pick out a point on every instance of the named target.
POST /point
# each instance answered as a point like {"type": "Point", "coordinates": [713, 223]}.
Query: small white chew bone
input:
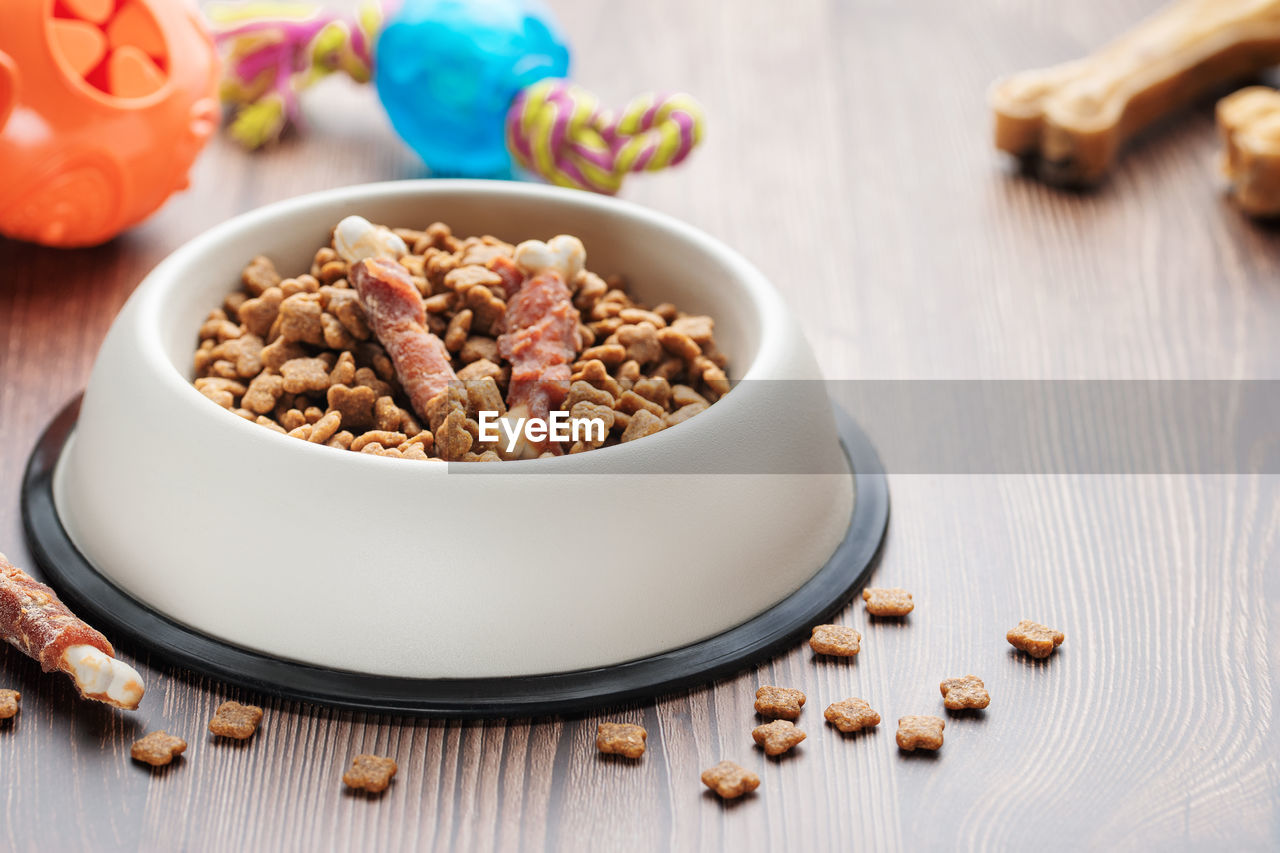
{"type": "Point", "coordinates": [1249, 122]}
{"type": "Point", "coordinates": [102, 678]}
{"type": "Point", "coordinates": [1075, 117]}
{"type": "Point", "coordinates": [356, 239]}
{"type": "Point", "coordinates": [562, 253]}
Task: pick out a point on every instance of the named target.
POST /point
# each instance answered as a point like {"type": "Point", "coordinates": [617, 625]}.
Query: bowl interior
{"type": "Point", "coordinates": [662, 259]}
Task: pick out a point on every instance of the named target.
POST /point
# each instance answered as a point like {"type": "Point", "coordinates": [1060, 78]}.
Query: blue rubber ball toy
{"type": "Point", "coordinates": [447, 71]}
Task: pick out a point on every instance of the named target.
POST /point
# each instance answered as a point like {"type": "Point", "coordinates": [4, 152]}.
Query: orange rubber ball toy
{"type": "Point", "coordinates": [104, 105]}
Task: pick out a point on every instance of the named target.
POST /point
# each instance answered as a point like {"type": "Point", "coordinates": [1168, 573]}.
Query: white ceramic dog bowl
{"type": "Point", "coordinates": [429, 570]}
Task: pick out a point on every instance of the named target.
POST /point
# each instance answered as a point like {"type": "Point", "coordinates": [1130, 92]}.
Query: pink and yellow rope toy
{"type": "Point", "coordinates": [276, 50]}
{"type": "Point", "coordinates": [559, 131]}
{"type": "Point", "coordinates": [474, 88]}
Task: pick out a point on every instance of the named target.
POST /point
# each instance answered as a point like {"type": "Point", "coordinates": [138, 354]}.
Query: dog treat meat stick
{"type": "Point", "coordinates": [38, 624]}
{"type": "Point", "coordinates": [1075, 117]}
{"type": "Point", "coordinates": [399, 320]}
{"type": "Point", "coordinates": [540, 342]}
{"type": "Point", "coordinates": [541, 338]}
{"type": "Point", "coordinates": [394, 309]}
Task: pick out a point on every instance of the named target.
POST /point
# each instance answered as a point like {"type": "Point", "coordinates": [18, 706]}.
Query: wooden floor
{"type": "Point", "coordinates": [848, 156]}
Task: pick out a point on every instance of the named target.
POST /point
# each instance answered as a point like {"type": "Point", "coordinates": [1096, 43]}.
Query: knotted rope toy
{"type": "Point", "coordinates": [275, 52]}
{"type": "Point", "coordinates": [558, 130]}
{"type": "Point", "coordinates": [474, 88]}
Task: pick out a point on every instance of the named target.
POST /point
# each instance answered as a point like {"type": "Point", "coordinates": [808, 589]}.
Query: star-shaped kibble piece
{"type": "Point", "coordinates": [920, 732]}
{"type": "Point", "coordinates": [1035, 639]}
{"type": "Point", "coordinates": [236, 721]}
{"type": "Point", "coordinates": [967, 692]}
{"type": "Point", "coordinates": [777, 737]}
{"type": "Point", "coordinates": [9, 703]}
{"type": "Point", "coordinates": [158, 748]}
{"type": "Point", "coordinates": [883, 601]}
{"type": "Point", "coordinates": [621, 739]}
{"type": "Point", "coordinates": [370, 773]}
{"type": "Point", "coordinates": [851, 715]}
{"type": "Point", "coordinates": [779, 702]}
{"type": "Point", "coordinates": [836, 640]}
{"type": "Point", "coordinates": [729, 780]}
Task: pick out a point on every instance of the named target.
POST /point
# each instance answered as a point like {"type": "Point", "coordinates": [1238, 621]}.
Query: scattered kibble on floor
{"type": "Point", "coordinates": [965, 693]}
{"type": "Point", "coordinates": [730, 780]}
{"type": "Point", "coordinates": [851, 715]}
{"type": "Point", "coordinates": [777, 737]}
{"type": "Point", "coordinates": [235, 721]}
{"type": "Point", "coordinates": [370, 773]}
{"type": "Point", "coordinates": [920, 731]}
{"type": "Point", "coordinates": [158, 749]}
{"type": "Point", "coordinates": [835, 640]}
{"type": "Point", "coordinates": [883, 601]}
{"type": "Point", "coordinates": [9, 700]}
{"type": "Point", "coordinates": [782, 703]}
{"type": "Point", "coordinates": [1035, 639]}
{"type": "Point", "coordinates": [622, 739]}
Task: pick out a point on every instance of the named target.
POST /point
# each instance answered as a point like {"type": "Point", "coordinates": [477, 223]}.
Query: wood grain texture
{"type": "Point", "coordinates": [848, 157]}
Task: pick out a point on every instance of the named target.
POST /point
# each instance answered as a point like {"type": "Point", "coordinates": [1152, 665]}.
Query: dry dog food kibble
{"type": "Point", "coordinates": [9, 703]}
{"type": "Point", "coordinates": [962, 693]}
{"type": "Point", "coordinates": [920, 732]}
{"type": "Point", "coordinates": [354, 353]}
{"type": "Point", "coordinates": [158, 748]}
{"type": "Point", "coordinates": [780, 702]}
{"type": "Point", "coordinates": [729, 780]}
{"type": "Point", "coordinates": [621, 739]}
{"type": "Point", "coordinates": [370, 773]}
{"type": "Point", "coordinates": [851, 715]}
{"type": "Point", "coordinates": [1035, 639]}
{"type": "Point", "coordinates": [777, 737]}
{"type": "Point", "coordinates": [888, 602]}
{"type": "Point", "coordinates": [835, 640]}
{"type": "Point", "coordinates": [236, 721]}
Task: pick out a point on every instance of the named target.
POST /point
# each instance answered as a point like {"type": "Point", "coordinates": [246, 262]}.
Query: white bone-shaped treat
{"type": "Point", "coordinates": [102, 678]}
{"type": "Point", "coordinates": [510, 426]}
{"type": "Point", "coordinates": [1249, 123]}
{"type": "Point", "coordinates": [1074, 118]}
{"type": "Point", "coordinates": [356, 239]}
{"type": "Point", "coordinates": [563, 253]}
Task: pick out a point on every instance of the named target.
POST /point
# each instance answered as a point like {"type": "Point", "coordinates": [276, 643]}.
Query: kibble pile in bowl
{"type": "Point", "coordinates": [305, 355]}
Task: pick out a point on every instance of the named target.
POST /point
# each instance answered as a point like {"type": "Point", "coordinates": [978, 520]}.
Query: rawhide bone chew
{"type": "Point", "coordinates": [394, 309]}
{"type": "Point", "coordinates": [541, 338]}
{"type": "Point", "coordinates": [1075, 117]}
{"type": "Point", "coordinates": [38, 624]}
{"type": "Point", "coordinates": [1249, 122]}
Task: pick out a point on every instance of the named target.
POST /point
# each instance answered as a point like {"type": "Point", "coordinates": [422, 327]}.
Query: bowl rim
{"type": "Point", "coordinates": [764, 301]}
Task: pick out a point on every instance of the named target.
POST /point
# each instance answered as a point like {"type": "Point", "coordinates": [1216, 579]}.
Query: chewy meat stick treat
{"type": "Point", "coordinates": [39, 625]}
{"type": "Point", "coordinates": [1249, 123]}
{"type": "Point", "coordinates": [394, 308]}
{"type": "Point", "coordinates": [542, 340]}
{"type": "Point", "coordinates": [1075, 117]}
{"type": "Point", "coordinates": [397, 317]}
